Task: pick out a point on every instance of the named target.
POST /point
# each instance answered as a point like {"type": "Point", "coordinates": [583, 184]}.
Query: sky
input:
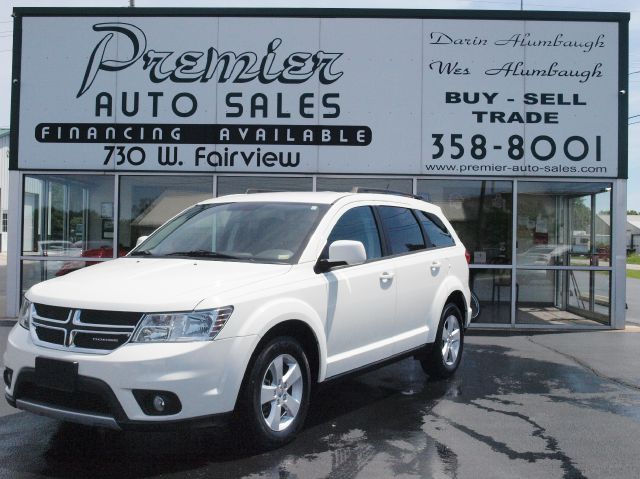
{"type": "Point", "coordinates": [633, 6]}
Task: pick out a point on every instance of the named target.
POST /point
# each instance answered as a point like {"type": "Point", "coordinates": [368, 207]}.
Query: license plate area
{"type": "Point", "coordinates": [56, 374]}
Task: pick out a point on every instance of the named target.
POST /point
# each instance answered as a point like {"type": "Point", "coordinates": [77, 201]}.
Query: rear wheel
{"type": "Point", "coordinates": [275, 396]}
{"type": "Point", "coordinates": [445, 356]}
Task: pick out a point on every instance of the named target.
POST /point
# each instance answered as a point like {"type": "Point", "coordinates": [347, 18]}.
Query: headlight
{"type": "Point", "coordinates": [24, 317]}
{"type": "Point", "coordinates": [181, 327]}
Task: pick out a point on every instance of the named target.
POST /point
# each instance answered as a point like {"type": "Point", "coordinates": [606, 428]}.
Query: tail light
{"type": "Point", "coordinates": [467, 255]}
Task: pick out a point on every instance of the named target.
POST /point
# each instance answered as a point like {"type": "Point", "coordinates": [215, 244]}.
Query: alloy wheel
{"type": "Point", "coordinates": [281, 392]}
{"type": "Point", "coordinates": [450, 340]}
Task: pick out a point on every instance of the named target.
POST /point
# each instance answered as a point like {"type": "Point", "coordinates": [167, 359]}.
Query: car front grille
{"type": "Point", "coordinates": [82, 330]}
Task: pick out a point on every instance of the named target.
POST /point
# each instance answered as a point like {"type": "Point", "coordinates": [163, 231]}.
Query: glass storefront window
{"type": "Point", "coordinates": [230, 185]}
{"type": "Point", "coordinates": [493, 289]}
{"type": "Point", "coordinates": [403, 185]}
{"type": "Point", "coordinates": [68, 215]}
{"type": "Point", "coordinates": [36, 271]}
{"type": "Point", "coordinates": [564, 224]}
{"type": "Point", "coordinates": [68, 223]}
{"type": "Point", "coordinates": [146, 202]}
{"type": "Point", "coordinates": [480, 212]}
{"type": "Point", "coordinates": [563, 297]}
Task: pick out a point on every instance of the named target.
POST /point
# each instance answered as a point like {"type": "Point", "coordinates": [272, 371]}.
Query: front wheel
{"type": "Point", "coordinates": [275, 396]}
{"type": "Point", "coordinates": [445, 356]}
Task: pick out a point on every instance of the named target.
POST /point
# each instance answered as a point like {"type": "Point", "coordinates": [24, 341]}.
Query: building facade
{"type": "Point", "coordinates": [491, 116]}
{"type": "Point", "coordinates": [4, 188]}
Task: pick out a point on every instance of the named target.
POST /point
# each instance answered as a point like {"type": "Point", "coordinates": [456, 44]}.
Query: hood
{"type": "Point", "coordinates": [150, 284]}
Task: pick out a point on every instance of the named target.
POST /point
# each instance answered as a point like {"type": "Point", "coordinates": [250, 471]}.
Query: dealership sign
{"type": "Point", "coordinates": [428, 96]}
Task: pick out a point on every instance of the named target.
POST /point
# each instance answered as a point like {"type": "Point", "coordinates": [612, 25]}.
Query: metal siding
{"type": "Point", "coordinates": [4, 182]}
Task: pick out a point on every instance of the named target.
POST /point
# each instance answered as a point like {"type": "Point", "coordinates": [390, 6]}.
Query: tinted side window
{"type": "Point", "coordinates": [436, 230]}
{"type": "Point", "coordinates": [402, 228]}
{"type": "Point", "coordinates": [358, 224]}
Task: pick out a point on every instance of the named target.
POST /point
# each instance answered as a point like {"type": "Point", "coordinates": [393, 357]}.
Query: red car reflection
{"type": "Point", "coordinates": [102, 251]}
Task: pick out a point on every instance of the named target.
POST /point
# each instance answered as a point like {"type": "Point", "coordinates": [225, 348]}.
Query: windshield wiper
{"type": "Point", "coordinates": [140, 253]}
{"type": "Point", "coordinates": [201, 253]}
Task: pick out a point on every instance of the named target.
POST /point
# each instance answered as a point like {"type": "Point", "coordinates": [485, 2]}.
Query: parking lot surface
{"type": "Point", "coordinates": [548, 405]}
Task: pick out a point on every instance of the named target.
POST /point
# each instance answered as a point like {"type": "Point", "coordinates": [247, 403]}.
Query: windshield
{"type": "Point", "coordinates": [257, 231]}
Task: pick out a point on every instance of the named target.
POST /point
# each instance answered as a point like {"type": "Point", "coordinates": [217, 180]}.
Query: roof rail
{"type": "Point", "coordinates": [363, 189]}
{"type": "Point", "coordinates": [250, 191]}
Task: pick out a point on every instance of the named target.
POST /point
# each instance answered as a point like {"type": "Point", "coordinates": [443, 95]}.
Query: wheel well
{"type": "Point", "coordinates": [457, 298]}
{"type": "Point", "coordinates": [300, 331]}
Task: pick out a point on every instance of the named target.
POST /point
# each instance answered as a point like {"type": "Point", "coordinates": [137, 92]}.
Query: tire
{"type": "Point", "coordinates": [446, 353]}
{"type": "Point", "coordinates": [274, 398]}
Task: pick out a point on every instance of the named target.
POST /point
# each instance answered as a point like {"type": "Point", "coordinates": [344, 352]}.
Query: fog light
{"type": "Point", "coordinates": [158, 403]}
{"type": "Point", "coordinates": [8, 376]}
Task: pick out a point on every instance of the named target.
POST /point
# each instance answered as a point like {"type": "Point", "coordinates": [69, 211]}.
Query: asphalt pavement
{"type": "Point", "coordinates": [563, 405]}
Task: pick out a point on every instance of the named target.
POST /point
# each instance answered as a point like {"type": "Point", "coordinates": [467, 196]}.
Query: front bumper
{"type": "Point", "coordinates": [121, 423]}
{"type": "Point", "coordinates": [206, 377]}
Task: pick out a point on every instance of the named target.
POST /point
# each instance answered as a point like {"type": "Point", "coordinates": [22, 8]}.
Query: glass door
{"type": "Point", "coordinates": [587, 292]}
{"type": "Point", "coordinates": [563, 272]}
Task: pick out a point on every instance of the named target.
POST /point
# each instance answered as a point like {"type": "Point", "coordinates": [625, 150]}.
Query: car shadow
{"type": "Point", "coordinates": [387, 414]}
{"type": "Point", "coordinates": [79, 451]}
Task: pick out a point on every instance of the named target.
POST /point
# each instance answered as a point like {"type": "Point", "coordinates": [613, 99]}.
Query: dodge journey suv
{"type": "Point", "coordinates": [241, 304]}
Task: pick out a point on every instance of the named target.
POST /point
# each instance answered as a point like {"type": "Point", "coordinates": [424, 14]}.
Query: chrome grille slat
{"type": "Point", "coordinates": [113, 318]}
{"type": "Point", "coordinates": [77, 320]}
{"type": "Point", "coordinates": [55, 313]}
{"type": "Point", "coordinates": [52, 328]}
{"type": "Point", "coordinates": [36, 317]}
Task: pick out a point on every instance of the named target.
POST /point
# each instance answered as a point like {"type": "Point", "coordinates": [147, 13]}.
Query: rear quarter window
{"type": "Point", "coordinates": [437, 233]}
{"type": "Point", "coordinates": [402, 229]}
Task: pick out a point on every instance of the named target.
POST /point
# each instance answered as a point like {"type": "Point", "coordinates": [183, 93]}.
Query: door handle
{"type": "Point", "coordinates": [436, 264]}
{"type": "Point", "coordinates": [386, 276]}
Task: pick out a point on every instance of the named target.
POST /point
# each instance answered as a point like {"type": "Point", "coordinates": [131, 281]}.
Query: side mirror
{"type": "Point", "coordinates": [347, 252]}
{"type": "Point", "coordinates": [341, 253]}
{"type": "Point", "coordinates": [140, 240]}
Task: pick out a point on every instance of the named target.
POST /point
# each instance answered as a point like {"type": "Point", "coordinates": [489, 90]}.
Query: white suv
{"type": "Point", "coordinates": [241, 304]}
